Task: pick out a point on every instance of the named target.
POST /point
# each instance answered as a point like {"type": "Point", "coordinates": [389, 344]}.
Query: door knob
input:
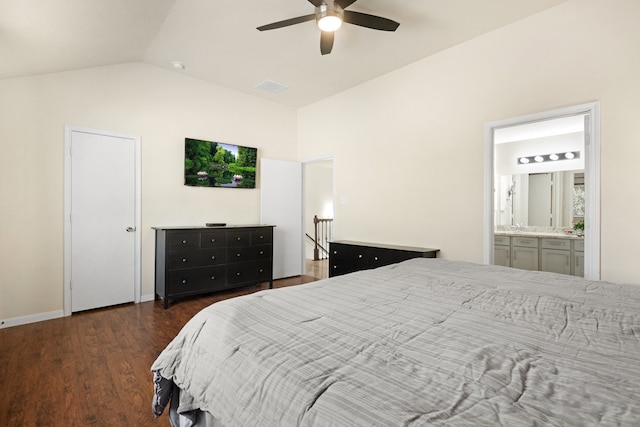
{"type": "Point", "coordinates": [131, 229]}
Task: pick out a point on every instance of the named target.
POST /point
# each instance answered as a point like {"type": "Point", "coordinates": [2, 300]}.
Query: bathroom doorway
{"type": "Point", "coordinates": [539, 129]}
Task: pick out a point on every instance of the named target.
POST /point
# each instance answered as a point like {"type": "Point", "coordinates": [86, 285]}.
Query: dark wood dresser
{"type": "Point", "coordinates": [198, 260]}
{"type": "Point", "coordinates": [346, 256]}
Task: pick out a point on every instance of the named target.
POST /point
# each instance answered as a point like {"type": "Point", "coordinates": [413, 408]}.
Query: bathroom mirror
{"type": "Point", "coordinates": [549, 199]}
{"type": "Point", "coordinates": [536, 178]}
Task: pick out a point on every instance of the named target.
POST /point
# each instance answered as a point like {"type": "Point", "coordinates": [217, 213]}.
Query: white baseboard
{"type": "Point", "coordinates": [32, 318]}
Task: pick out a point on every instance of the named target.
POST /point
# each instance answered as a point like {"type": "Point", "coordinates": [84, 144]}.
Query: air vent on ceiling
{"type": "Point", "coordinates": [271, 86]}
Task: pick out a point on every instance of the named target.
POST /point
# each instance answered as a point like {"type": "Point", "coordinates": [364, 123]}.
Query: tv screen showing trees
{"type": "Point", "coordinates": [214, 164]}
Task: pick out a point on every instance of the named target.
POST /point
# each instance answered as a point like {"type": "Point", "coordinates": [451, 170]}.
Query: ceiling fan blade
{"type": "Point", "coordinates": [326, 42]}
{"type": "Point", "coordinates": [287, 22]}
{"type": "Point", "coordinates": [317, 3]}
{"type": "Point", "coordinates": [370, 21]}
{"type": "Point", "coordinates": [345, 3]}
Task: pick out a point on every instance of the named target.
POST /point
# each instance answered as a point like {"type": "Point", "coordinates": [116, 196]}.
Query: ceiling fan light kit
{"type": "Point", "coordinates": [329, 16]}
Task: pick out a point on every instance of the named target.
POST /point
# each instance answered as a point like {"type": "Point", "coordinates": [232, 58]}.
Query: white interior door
{"type": "Point", "coordinates": [281, 205]}
{"type": "Point", "coordinates": [102, 220]}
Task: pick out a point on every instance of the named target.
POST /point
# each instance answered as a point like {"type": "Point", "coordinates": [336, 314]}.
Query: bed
{"type": "Point", "coordinates": [426, 342]}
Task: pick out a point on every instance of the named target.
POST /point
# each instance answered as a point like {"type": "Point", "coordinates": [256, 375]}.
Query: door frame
{"type": "Point", "coordinates": [305, 162]}
{"type": "Point", "coordinates": [591, 175]}
{"type": "Point", "coordinates": [68, 131]}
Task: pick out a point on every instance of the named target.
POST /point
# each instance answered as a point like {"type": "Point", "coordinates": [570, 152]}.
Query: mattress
{"type": "Point", "coordinates": [424, 342]}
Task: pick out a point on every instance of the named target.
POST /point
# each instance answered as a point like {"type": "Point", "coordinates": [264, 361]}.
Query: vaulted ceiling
{"type": "Point", "coordinates": [217, 40]}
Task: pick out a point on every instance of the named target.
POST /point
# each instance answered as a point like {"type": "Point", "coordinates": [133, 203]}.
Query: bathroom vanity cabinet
{"type": "Point", "coordinates": [564, 255]}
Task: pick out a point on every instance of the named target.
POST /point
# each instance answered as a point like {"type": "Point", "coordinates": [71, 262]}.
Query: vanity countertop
{"type": "Point", "coordinates": [538, 234]}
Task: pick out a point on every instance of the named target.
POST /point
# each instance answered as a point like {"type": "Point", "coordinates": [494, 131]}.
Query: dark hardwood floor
{"type": "Point", "coordinates": [92, 368]}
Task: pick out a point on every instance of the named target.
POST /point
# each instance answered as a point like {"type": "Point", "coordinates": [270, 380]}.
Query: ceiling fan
{"type": "Point", "coordinates": [329, 16]}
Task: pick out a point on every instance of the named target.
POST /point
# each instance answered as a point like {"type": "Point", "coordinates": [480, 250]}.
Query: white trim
{"type": "Point", "coordinates": [318, 158]}
{"type": "Point", "coordinates": [68, 130]}
{"type": "Point", "coordinates": [592, 180]}
{"type": "Point", "coordinates": [592, 268]}
{"type": "Point", "coordinates": [137, 296]}
{"type": "Point", "coordinates": [147, 298]}
{"type": "Point", "coordinates": [32, 318]}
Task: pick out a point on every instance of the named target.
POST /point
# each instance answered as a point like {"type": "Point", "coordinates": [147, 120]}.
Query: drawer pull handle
{"type": "Point", "coordinates": [261, 236]}
{"type": "Point", "coordinates": [213, 277]}
{"type": "Point", "coordinates": [238, 274]}
{"type": "Point", "coordinates": [239, 238]}
{"type": "Point", "coordinates": [261, 270]}
{"type": "Point", "coordinates": [184, 242]}
{"type": "Point", "coordinates": [184, 281]}
{"type": "Point", "coordinates": [184, 260]}
{"type": "Point", "coordinates": [375, 258]}
{"type": "Point", "coordinates": [238, 255]}
{"type": "Point", "coordinates": [213, 240]}
{"type": "Point", "coordinates": [360, 256]}
{"type": "Point", "coordinates": [261, 252]}
{"type": "Point", "coordinates": [213, 257]}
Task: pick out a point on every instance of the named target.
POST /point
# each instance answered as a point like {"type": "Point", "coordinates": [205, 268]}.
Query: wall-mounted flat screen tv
{"type": "Point", "coordinates": [214, 164]}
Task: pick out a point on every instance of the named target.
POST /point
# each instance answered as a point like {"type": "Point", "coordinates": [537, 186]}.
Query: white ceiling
{"type": "Point", "coordinates": [218, 42]}
{"type": "Point", "coordinates": [540, 129]}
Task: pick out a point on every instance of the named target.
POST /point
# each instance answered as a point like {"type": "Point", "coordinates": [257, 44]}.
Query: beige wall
{"type": "Point", "coordinates": [160, 106]}
{"type": "Point", "coordinates": [409, 146]}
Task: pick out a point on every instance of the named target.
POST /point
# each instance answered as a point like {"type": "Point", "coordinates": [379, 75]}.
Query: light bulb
{"type": "Point", "coordinates": [569, 155]}
{"type": "Point", "coordinates": [524, 160]}
{"type": "Point", "coordinates": [538, 159]}
{"type": "Point", "coordinates": [329, 23]}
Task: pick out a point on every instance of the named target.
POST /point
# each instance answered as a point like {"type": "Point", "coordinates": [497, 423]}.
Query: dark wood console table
{"type": "Point", "coordinates": [346, 256]}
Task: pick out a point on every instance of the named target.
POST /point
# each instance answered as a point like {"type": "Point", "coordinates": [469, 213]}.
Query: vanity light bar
{"type": "Point", "coordinates": [540, 158]}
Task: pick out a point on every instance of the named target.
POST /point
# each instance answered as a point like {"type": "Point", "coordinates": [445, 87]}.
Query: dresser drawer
{"type": "Point", "coordinates": [213, 239]}
{"type": "Point", "coordinates": [198, 258]}
{"type": "Point", "coordinates": [253, 271]}
{"type": "Point", "coordinates": [250, 253]}
{"type": "Point", "coordinates": [212, 256]}
{"type": "Point", "coordinates": [177, 241]}
{"type": "Point", "coordinates": [356, 255]}
{"type": "Point", "coordinates": [561, 244]}
{"type": "Point", "coordinates": [182, 259]}
{"type": "Point", "coordinates": [379, 256]}
{"type": "Point", "coordinates": [527, 242]}
{"type": "Point", "coordinates": [196, 280]}
{"type": "Point", "coordinates": [238, 238]}
{"type": "Point", "coordinates": [262, 236]}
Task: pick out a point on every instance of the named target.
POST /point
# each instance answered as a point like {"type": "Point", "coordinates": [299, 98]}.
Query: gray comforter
{"type": "Point", "coordinates": [423, 342]}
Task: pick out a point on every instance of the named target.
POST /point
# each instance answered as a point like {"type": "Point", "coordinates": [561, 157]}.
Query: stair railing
{"type": "Point", "coordinates": [322, 236]}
